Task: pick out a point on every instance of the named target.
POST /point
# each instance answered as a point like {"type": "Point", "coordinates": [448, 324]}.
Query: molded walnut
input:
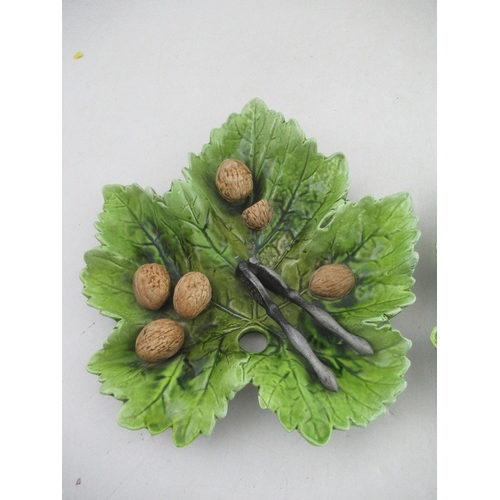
{"type": "Point", "coordinates": [233, 180]}
{"type": "Point", "coordinates": [192, 294]}
{"type": "Point", "coordinates": [258, 216]}
{"type": "Point", "coordinates": [331, 281]}
{"type": "Point", "coordinates": [151, 284]}
{"type": "Point", "coordinates": [159, 340]}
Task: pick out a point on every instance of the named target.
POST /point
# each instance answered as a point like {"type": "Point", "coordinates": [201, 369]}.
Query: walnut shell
{"type": "Point", "coordinates": [151, 285]}
{"type": "Point", "coordinates": [159, 340]}
{"type": "Point", "coordinates": [258, 216]}
{"type": "Point", "coordinates": [331, 281]}
{"type": "Point", "coordinates": [192, 294]}
{"type": "Point", "coordinates": [233, 180]}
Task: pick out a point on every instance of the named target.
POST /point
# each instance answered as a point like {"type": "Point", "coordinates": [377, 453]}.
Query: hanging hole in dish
{"type": "Point", "coordinates": [253, 342]}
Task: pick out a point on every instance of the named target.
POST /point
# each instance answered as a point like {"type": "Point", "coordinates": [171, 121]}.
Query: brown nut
{"type": "Point", "coordinates": [331, 281]}
{"type": "Point", "coordinates": [233, 180]}
{"type": "Point", "coordinates": [159, 340]}
{"type": "Point", "coordinates": [151, 284]}
{"type": "Point", "coordinates": [192, 294]}
{"type": "Point", "coordinates": [258, 216]}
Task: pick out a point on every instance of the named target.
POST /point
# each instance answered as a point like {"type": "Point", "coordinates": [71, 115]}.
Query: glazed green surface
{"type": "Point", "coordinates": [192, 228]}
{"type": "Point", "coordinates": [434, 337]}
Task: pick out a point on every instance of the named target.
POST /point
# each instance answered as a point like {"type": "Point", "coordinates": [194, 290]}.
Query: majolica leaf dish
{"type": "Point", "coordinates": [434, 337]}
{"type": "Point", "coordinates": [329, 362]}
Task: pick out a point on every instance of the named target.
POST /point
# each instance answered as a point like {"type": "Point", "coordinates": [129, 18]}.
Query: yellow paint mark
{"type": "Point", "coordinates": [78, 55]}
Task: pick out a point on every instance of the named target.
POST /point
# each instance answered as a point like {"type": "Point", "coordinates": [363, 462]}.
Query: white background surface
{"type": "Point", "coordinates": [156, 77]}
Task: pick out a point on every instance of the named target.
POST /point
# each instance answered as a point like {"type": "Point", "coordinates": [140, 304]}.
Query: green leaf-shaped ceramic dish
{"type": "Point", "coordinates": [192, 228]}
{"type": "Point", "coordinates": [434, 337]}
